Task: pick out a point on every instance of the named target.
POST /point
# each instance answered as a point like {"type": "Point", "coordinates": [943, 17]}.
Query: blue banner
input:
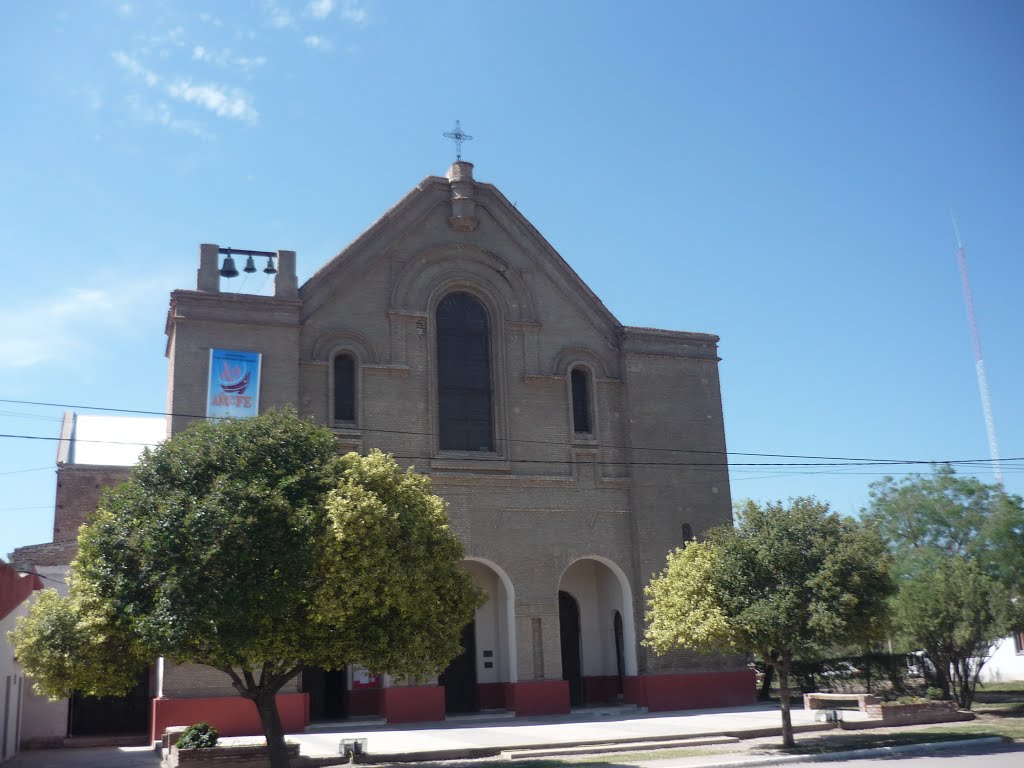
{"type": "Point", "coordinates": [234, 391]}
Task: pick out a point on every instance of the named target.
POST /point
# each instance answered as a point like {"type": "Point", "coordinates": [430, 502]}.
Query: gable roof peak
{"type": "Point", "coordinates": [460, 170]}
{"type": "Point", "coordinates": [460, 179]}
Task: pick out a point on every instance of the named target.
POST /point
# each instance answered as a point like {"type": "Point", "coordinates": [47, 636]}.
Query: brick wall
{"type": "Point", "coordinates": [546, 496]}
{"type": "Point", "coordinates": [78, 493]}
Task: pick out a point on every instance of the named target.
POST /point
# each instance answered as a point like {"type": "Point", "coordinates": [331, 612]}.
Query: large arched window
{"type": "Point", "coordinates": [580, 401]}
{"type": "Point", "coordinates": [464, 375]}
{"type": "Point", "coordinates": [344, 388]}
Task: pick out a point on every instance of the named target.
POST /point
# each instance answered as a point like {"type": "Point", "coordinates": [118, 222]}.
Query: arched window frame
{"type": "Point", "coordinates": [356, 387]}
{"type": "Point", "coordinates": [590, 435]}
{"type": "Point", "coordinates": [494, 326]}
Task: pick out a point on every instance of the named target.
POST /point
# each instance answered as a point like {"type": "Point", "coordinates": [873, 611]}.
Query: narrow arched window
{"type": "Point", "coordinates": [687, 531]}
{"type": "Point", "coordinates": [344, 388]}
{"type": "Point", "coordinates": [580, 401]}
{"type": "Point", "coordinates": [465, 421]}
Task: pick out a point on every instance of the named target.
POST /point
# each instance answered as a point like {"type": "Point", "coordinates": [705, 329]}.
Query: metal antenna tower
{"type": "Point", "coordinates": [979, 362]}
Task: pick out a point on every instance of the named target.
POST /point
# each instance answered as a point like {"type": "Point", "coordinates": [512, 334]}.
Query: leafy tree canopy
{"type": "Point", "coordinates": [959, 549]}
{"type": "Point", "coordinates": [251, 546]}
{"type": "Point", "coordinates": [787, 581]}
{"type": "Point", "coordinates": [947, 513]}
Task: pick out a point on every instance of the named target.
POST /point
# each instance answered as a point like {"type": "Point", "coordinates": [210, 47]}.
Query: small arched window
{"type": "Point", "coordinates": [344, 388]}
{"type": "Point", "coordinates": [465, 421]}
{"type": "Point", "coordinates": [580, 401]}
{"type": "Point", "coordinates": [687, 531]}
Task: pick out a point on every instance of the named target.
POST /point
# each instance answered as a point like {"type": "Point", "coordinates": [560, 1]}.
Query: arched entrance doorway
{"type": "Point", "coordinates": [459, 679]}
{"type": "Point", "coordinates": [569, 631]}
{"type": "Point", "coordinates": [480, 677]}
{"type": "Point", "coordinates": [328, 693]}
{"type": "Point", "coordinates": [598, 640]}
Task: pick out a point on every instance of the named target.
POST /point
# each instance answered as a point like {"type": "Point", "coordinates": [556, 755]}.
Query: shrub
{"type": "Point", "coordinates": [908, 700]}
{"type": "Point", "coordinates": [198, 736]}
{"type": "Point", "coordinates": [934, 694]}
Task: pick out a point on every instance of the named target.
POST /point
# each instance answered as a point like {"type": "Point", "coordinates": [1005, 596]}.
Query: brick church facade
{"type": "Point", "coordinates": [573, 451]}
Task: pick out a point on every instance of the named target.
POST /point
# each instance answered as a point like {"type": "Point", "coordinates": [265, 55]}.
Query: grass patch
{"type": "Point", "coordinates": [654, 754]}
{"type": "Point", "coordinates": [1008, 728]}
{"type": "Point", "coordinates": [872, 741]}
{"type": "Point", "coordinates": [1012, 686]}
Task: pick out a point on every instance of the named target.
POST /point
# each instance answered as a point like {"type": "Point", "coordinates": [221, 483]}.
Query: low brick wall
{"type": "Point", "coordinates": [245, 756]}
{"type": "Point", "coordinates": [908, 714]}
{"type": "Point", "coordinates": [893, 712]}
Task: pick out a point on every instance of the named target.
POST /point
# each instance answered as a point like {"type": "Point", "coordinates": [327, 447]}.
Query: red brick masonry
{"type": "Point", "coordinates": [700, 690]}
{"type": "Point", "coordinates": [231, 715]}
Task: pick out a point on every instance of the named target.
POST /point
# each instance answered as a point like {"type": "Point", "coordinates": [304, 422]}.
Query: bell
{"type": "Point", "coordinates": [228, 270]}
{"type": "Point", "coordinates": [270, 269]}
{"type": "Point", "coordinates": [250, 265]}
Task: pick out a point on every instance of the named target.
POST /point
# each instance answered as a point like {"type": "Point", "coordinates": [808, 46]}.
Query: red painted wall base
{"type": "Point", "coordinates": [698, 690]}
{"type": "Point", "coordinates": [364, 701]}
{"type": "Point", "coordinates": [540, 697]}
{"type": "Point", "coordinates": [601, 689]}
{"type": "Point", "coordinates": [494, 695]}
{"type": "Point", "coordinates": [416, 704]}
{"type": "Point", "coordinates": [231, 715]}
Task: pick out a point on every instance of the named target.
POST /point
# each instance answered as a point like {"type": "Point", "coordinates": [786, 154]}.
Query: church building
{"type": "Point", "coordinates": [574, 452]}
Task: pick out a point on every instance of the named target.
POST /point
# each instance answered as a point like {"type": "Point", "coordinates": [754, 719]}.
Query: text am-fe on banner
{"type": "Point", "coordinates": [234, 391]}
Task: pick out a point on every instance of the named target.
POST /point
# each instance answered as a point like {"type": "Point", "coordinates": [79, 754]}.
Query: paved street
{"type": "Point", "coordinates": [525, 732]}
{"type": "Point", "coordinates": [1006, 756]}
{"type": "Point", "coordinates": [92, 757]}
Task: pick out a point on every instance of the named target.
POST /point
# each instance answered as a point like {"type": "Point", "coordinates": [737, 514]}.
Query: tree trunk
{"type": "Point", "coordinates": [766, 683]}
{"type": "Point", "coordinates": [787, 722]}
{"type": "Point", "coordinates": [964, 682]}
{"type": "Point", "coordinates": [941, 666]}
{"type": "Point", "coordinates": [270, 720]}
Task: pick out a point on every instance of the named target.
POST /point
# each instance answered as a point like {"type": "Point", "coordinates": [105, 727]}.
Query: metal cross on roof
{"type": "Point", "coordinates": [458, 136]}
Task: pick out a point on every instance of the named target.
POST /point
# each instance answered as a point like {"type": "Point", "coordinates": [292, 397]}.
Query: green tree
{"type": "Point", "coordinates": [959, 550]}
{"type": "Point", "coordinates": [786, 582]}
{"type": "Point", "coordinates": [252, 547]}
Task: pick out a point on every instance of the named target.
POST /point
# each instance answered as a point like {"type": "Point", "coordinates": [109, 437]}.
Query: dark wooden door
{"type": "Point", "coordinates": [459, 679]}
{"type": "Point", "coordinates": [569, 628]}
{"type": "Point", "coordinates": [111, 715]}
{"type": "Point", "coordinates": [328, 693]}
{"type": "Point", "coordinates": [620, 651]}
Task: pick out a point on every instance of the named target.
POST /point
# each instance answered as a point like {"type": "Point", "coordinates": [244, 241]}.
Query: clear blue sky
{"type": "Point", "coordinates": [781, 174]}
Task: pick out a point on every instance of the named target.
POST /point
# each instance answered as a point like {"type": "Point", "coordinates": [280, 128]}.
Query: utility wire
{"type": "Point", "coordinates": [850, 460]}
{"type": "Point", "coordinates": [677, 464]}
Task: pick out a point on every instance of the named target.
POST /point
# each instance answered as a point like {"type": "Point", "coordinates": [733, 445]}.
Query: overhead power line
{"type": "Point", "coordinates": [606, 462]}
{"type": "Point", "coordinates": [832, 461]}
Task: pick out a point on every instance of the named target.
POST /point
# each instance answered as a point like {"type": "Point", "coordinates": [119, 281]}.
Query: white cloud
{"type": "Point", "coordinates": [354, 14]}
{"type": "Point", "coordinates": [249, 63]}
{"type": "Point", "coordinates": [136, 69]}
{"type": "Point", "coordinates": [37, 331]}
{"type": "Point", "coordinates": [317, 43]}
{"type": "Point", "coordinates": [91, 95]}
{"type": "Point", "coordinates": [175, 36]}
{"type": "Point", "coordinates": [75, 327]}
{"type": "Point", "coordinates": [321, 9]}
{"type": "Point", "coordinates": [161, 114]}
{"type": "Point", "coordinates": [279, 17]}
{"type": "Point", "coordinates": [209, 18]}
{"type": "Point", "coordinates": [223, 102]}
{"type": "Point", "coordinates": [224, 58]}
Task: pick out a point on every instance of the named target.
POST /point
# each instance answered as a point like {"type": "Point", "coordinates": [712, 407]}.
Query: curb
{"type": "Point", "coordinates": [855, 754]}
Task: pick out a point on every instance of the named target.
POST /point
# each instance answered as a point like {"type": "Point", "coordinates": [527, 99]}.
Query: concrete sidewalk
{"type": "Point", "coordinates": [476, 738]}
{"type": "Point", "coordinates": [467, 739]}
